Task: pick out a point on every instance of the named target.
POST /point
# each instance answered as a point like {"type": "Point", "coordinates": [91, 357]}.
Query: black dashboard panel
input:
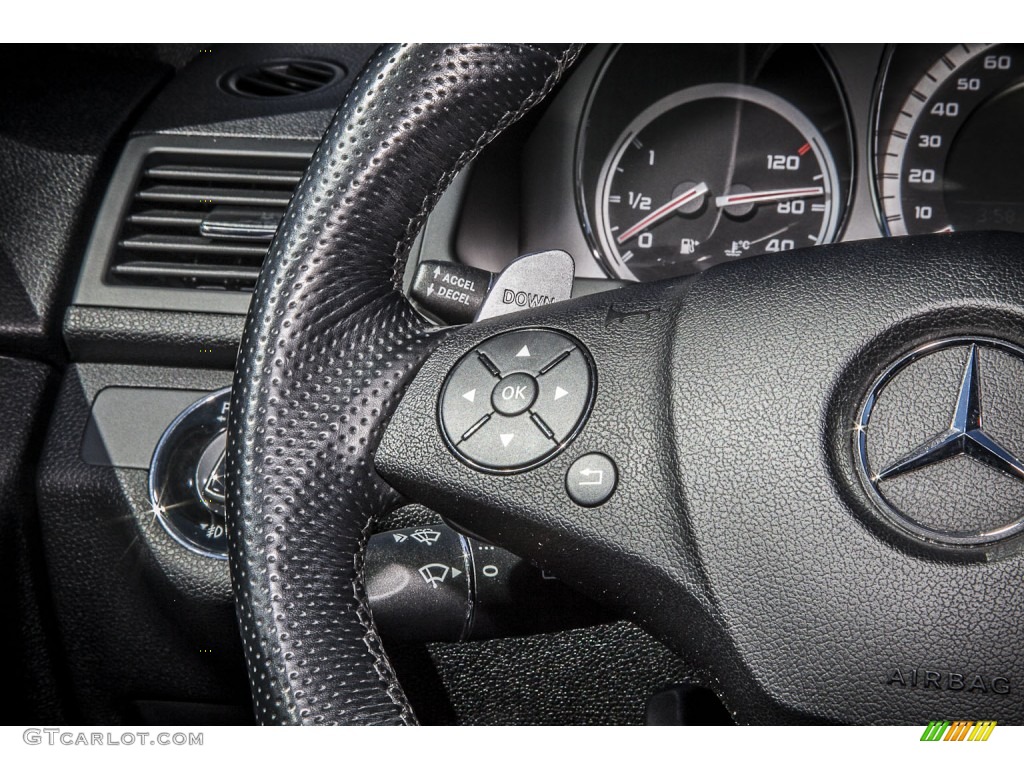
{"type": "Point", "coordinates": [147, 628]}
{"type": "Point", "coordinates": [141, 618]}
{"type": "Point", "coordinates": [196, 102]}
{"type": "Point", "coordinates": [33, 680]}
{"type": "Point", "coordinates": [61, 119]}
{"type": "Point", "coordinates": [535, 187]}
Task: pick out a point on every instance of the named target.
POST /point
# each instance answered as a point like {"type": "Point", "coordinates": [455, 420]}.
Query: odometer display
{"type": "Point", "coordinates": [710, 174]}
{"type": "Point", "coordinates": [953, 158]}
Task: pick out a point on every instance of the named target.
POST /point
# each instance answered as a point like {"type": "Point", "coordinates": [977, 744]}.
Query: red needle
{"type": "Point", "coordinates": [676, 202]}
{"type": "Point", "coordinates": [724, 201]}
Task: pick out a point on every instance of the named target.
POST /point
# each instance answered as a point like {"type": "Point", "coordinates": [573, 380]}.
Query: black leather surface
{"type": "Point", "coordinates": [139, 616]}
{"type": "Point", "coordinates": [60, 115]}
{"type": "Point", "coordinates": [149, 337]}
{"type": "Point", "coordinates": [329, 347]}
{"type": "Point", "coordinates": [600, 675]}
{"type": "Point", "coordinates": [595, 675]}
{"type": "Point", "coordinates": [32, 691]}
{"type": "Point", "coordinates": [738, 530]}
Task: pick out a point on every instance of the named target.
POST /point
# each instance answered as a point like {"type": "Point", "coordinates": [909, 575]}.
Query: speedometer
{"type": "Point", "coordinates": [709, 174]}
{"type": "Point", "coordinates": [953, 158]}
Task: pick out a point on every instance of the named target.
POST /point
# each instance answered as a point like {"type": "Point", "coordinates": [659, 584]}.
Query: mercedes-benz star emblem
{"type": "Point", "coordinates": [951, 503]}
{"type": "Point", "coordinates": [964, 436]}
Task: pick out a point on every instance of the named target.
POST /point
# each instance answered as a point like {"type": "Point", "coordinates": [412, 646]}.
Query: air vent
{"type": "Point", "coordinates": [203, 220]}
{"type": "Point", "coordinates": [282, 78]}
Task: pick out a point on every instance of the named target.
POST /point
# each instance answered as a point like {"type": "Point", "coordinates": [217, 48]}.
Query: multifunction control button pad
{"type": "Point", "coordinates": [516, 399]}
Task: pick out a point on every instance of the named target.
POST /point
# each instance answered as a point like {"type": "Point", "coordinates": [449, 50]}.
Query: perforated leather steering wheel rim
{"type": "Point", "coordinates": [329, 346]}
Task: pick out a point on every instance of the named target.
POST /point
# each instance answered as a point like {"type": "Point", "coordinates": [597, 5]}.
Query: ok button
{"type": "Point", "coordinates": [514, 394]}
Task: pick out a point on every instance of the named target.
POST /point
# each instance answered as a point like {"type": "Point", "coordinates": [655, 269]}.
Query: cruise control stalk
{"type": "Point", "coordinates": [458, 293]}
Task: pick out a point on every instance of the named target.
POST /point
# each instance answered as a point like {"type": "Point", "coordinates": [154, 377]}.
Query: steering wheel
{"type": "Point", "coordinates": [746, 420]}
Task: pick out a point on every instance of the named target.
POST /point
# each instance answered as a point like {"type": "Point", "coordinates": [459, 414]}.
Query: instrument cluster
{"type": "Point", "coordinates": [682, 157]}
{"type": "Point", "coordinates": [948, 150]}
{"type": "Point", "coordinates": [690, 156]}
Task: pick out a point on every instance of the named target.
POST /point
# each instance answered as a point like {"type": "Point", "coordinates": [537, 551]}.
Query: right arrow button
{"type": "Point", "coordinates": [564, 394]}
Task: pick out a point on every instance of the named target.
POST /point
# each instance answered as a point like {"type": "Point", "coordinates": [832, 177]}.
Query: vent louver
{"type": "Point", "coordinates": [282, 78]}
{"type": "Point", "coordinates": [203, 220]}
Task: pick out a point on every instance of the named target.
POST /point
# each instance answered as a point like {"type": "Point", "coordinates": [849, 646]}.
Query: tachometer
{"type": "Point", "coordinates": [713, 173]}
{"type": "Point", "coordinates": [953, 158]}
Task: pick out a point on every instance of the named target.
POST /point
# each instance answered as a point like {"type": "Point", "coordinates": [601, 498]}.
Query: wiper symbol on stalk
{"type": "Point", "coordinates": [426, 536]}
{"type": "Point", "coordinates": [436, 573]}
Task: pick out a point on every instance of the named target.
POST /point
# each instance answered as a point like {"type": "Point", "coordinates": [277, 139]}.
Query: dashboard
{"type": "Point", "coordinates": [662, 161]}
{"type": "Point", "coordinates": [124, 314]}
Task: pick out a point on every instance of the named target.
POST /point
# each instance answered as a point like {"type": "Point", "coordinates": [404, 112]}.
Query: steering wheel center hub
{"type": "Point", "coordinates": [939, 440]}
